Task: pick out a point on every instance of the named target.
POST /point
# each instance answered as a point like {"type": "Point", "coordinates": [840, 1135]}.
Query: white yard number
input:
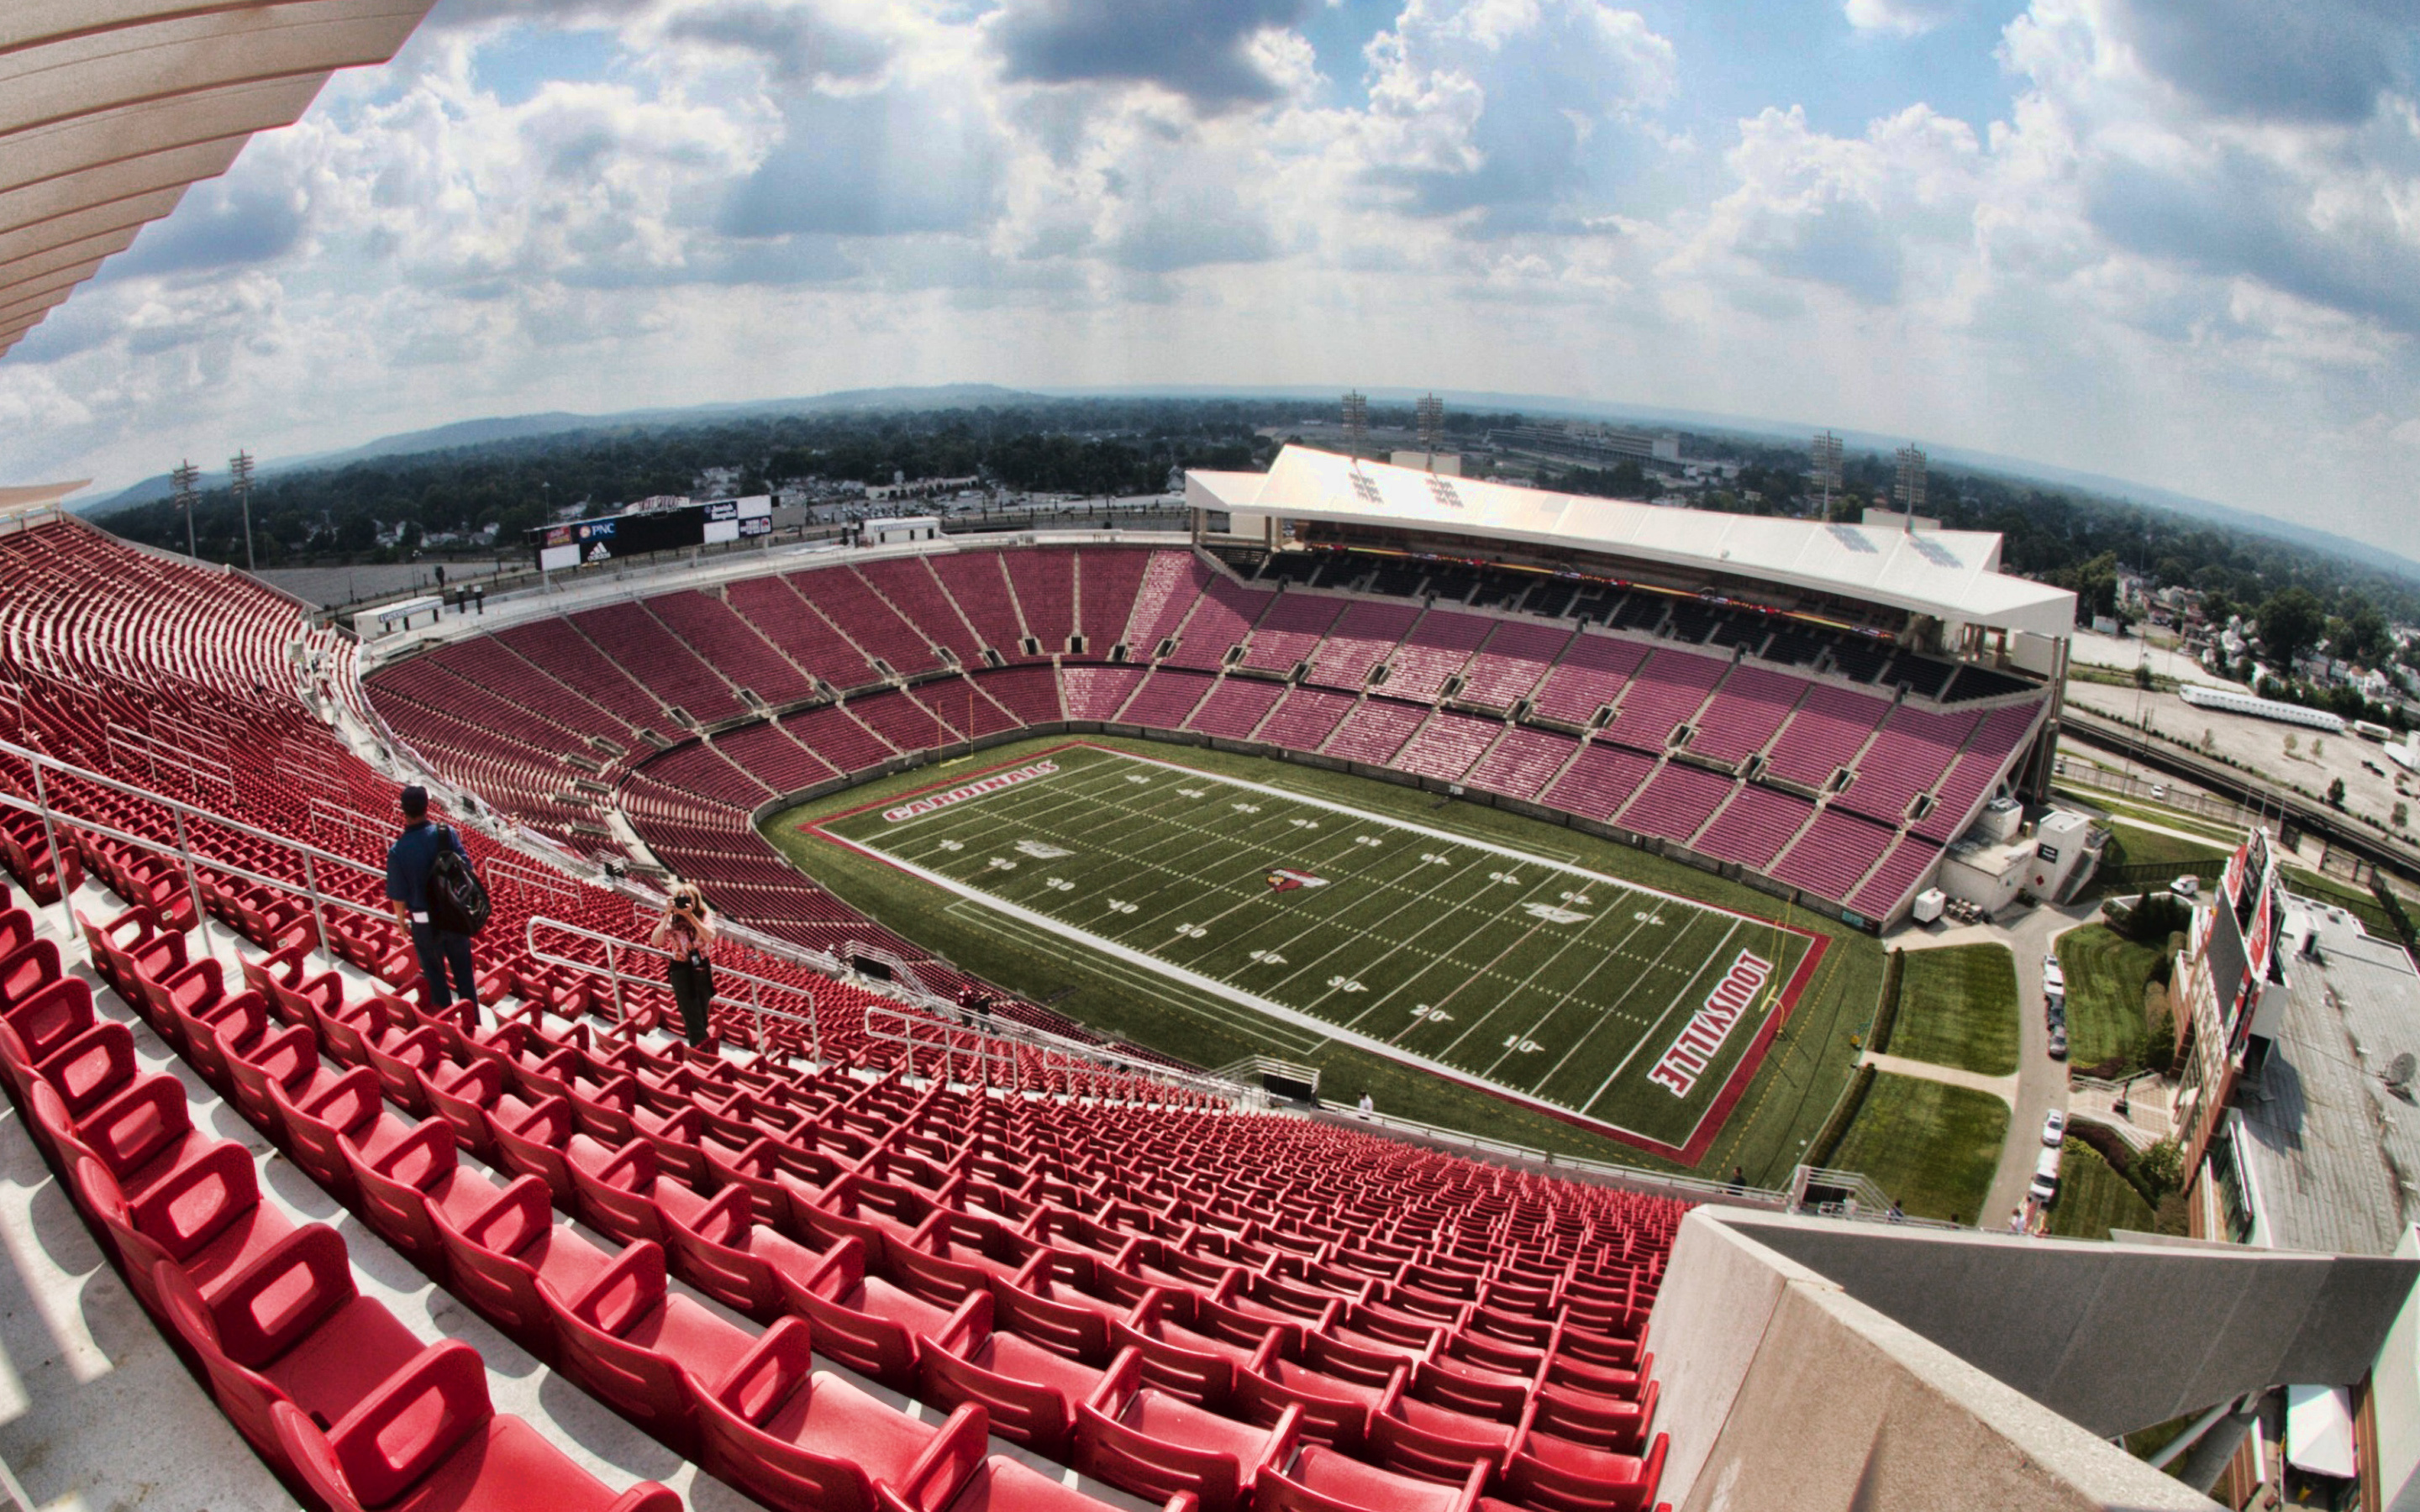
{"type": "Point", "coordinates": [1193, 792]}
{"type": "Point", "coordinates": [1432, 1016]}
{"type": "Point", "coordinates": [1527, 1047]}
{"type": "Point", "coordinates": [1117, 907]}
{"type": "Point", "coordinates": [1647, 919]}
{"type": "Point", "coordinates": [949, 845]}
{"type": "Point", "coordinates": [1577, 900]}
{"type": "Point", "coordinates": [1001, 863]}
{"type": "Point", "coordinates": [1346, 984]}
{"type": "Point", "coordinates": [1510, 879]}
{"type": "Point", "coordinates": [1304, 824]}
{"type": "Point", "coordinates": [1268, 958]}
{"type": "Point", "coordinates": [1193, 931]}
{"type": "Point", "coordinates": [1059, 883]}
{"type": "Point", "coordinates": [1432, 859]}
{"type": "Point", "coordinates": [1245, 808]}
{"type": "Point", "coordinates": [1138, 777]}
{"type": "Point", "coordinates": [1365, 839]}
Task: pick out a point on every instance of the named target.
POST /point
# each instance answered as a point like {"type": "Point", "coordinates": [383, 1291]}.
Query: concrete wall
{"type": "Point", "coordinates": [1781, 1390]}
{"type": "Point", "coordinates": [2115, 1337]}
{"type": "Point", "coordinates": [2394, 1400]}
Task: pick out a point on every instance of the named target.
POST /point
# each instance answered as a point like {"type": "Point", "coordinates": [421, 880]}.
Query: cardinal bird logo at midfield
{"type": "Point", "coordinates": [1285, 879]}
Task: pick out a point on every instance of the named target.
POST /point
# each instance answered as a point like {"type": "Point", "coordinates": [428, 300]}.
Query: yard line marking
{"type": "Point", "coordinates": [1657, 1027]}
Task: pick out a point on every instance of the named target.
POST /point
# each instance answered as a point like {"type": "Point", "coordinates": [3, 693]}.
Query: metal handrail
{"type": "Point", "coordinates": [177, 758]}
{"type": "Point", "coordinates": [612, 970]}
{"type": "Point", "coordinates": [1691, 1187]}
{"type": "Point", "coordinates": [942, 1018]}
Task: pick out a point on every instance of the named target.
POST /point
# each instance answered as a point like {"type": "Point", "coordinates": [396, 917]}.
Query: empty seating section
{"type": "Point", "coordinates": [1662, 695]}
{"type": "Point", "coordinates": [701, 768]}
{"type": "Point", "coordinates": [909, 586]}
{"type": "Point", "coordinates": [1589, 677]}
{"type": "Point", "coordinates": [1043, 581]}
{"type": "Point", "coordinates": [1833, 854]}
{"type": "Point", "coordinates": [1908, 755]}
{"type": "Point", "coordinates": [1107, 583]}
{"type": "Point", "coordinates": [1172, 585]}
{"type": "Point", "coordinates": [1235, 708]}
{"type": "Point", "coordinates": [1165, 697]}
{"type": "Point", "coordinates": [978, 584]}
{"type": "Point", "coordinates": [1029, 693]}
{"type": "Point", "coordinates": [1599, 781]}
{"type": "Point", "coordinates": [559, 649]}
{"type": "Point", "coordinates": [970, 708]}
{"type": "Point", "coordinates": [1375, 730]}
{"type": "Point", "coordinates": [783, 617]}
{"type": "Point", "coordinates": [1098, 692]}
{"type": "Point", "coordinates": [1899, 870]}
{"type": "Point", "coordinates": [1755, 825]}
{"type": "Point", "coordinates": [1830, 726]}
{"type": "Point", "coordinates": [901, 720]}
{"type": "Point", "coordinates": [1745, 711]}
{"type": "Point", "coordinates": [1521, 763]}
{"type": "Point", "coordinates": [870, 622]}
{"type": "Point", "coordinates": [839, 738]}
{"type": "Point", "coordinates": [1436, 650]}
{"type": "Point", "coordinates": [1305, 718]}
{"type": "Point", "coordinates": [1979, 768]}
{"type": "Point", "coordinates": [1219, 623]}
{"type": "Point", "coordinates": [1512, 661]}
{"type": "Point", "coordinates": [1365, 634]}
{"type": "Point", "coordinates": [765, 752]}
{"type": "Point", "coordinates": [1291, 629]}
{"type": "Point", "coordinates": [1447, 744]}
{"type": "Point", "coordinates": [728, 645]}
{"type": "Point", "coordinates": [1676, 801]}
{"type": "Point", "coordinates": [637, 641]}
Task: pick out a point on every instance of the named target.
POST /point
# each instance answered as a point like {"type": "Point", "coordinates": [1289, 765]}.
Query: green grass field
{"type": "Point", "coordinates": [1462, 964]}
{"type": "Point", "coordinates": [2105, 974]}
{"type": "Point", "coordinates": [1958, 1007]}
{"type": "Point", "coordinates": [2092, 1198]}
{"type": "Point", "coordinates": [1931, 1146]}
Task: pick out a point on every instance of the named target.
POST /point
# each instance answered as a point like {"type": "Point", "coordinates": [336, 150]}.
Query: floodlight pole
{"type": "Point", "coordinates": [180, 482]}
{"type": "Point", "coordinates": [239, 474]}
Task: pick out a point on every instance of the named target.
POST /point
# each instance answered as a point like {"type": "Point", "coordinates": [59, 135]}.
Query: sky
{"type": "Point", "coordinates": [2176, 241]}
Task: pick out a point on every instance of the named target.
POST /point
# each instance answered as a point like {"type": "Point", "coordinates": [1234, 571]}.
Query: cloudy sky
{"type": "Point", "coordinates": [2177, 243]}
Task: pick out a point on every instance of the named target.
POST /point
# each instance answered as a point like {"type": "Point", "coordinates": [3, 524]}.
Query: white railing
{"type": "Point", "coordinates": [801, 1010]}
{"type": "Point", "coordinates": [947, 1032]}
{"type": "Point", "coordinates": [1688, 1188]}
{"type": "Point", "coordinates": [152, 753]}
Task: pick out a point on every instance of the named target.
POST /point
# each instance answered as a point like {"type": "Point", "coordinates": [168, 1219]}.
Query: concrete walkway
{"type": "Point", "coordinates": [2039, 1083]}
{"type": "Point", "coordinates": [2003, 1087]}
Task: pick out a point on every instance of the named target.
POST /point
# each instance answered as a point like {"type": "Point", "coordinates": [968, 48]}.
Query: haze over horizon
{"type": "Point", "coordinates": [2172, 245]}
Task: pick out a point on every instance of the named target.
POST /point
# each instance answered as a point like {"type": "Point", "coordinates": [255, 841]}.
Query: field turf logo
{"type": "Point", "coordinates": [1682, 1064]}
{"type": "Point", "coordinates": [1285, 879]}
{"type": "Point", "coordinates": [973, 790]}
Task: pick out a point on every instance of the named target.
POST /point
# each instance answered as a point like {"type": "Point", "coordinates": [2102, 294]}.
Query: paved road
{"type": "Point", "coordinates": [2040, 1083]}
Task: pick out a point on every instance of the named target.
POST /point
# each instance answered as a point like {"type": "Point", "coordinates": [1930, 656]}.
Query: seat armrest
{"type": "Point", "coordinates": [316, 1253]}
{"type": "Point", "coordinates": [952, 1455]}
{"type": "Point", "coordinates": [169, 1215]}
{"type": "Point", "coordinates": [377, 1471]}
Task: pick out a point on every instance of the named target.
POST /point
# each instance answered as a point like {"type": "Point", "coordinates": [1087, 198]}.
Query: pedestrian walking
{"type": "Point", "coordinates": [1368, 1106]}
{"type": "Point", "coordinates": [442, 943]}
{"type": "Point", "coordinates": [687, 934]}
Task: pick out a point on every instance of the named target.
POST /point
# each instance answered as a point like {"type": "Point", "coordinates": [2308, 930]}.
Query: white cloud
{"type": "Point", "coordinates": [1900, 18]}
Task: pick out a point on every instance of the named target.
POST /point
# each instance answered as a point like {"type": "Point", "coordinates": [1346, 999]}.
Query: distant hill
{"type": "Point", "coordinates": [469, 432]}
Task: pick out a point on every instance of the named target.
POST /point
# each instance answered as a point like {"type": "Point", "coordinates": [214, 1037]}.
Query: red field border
{"type": "Point", "coordinates": [1702, 1135]}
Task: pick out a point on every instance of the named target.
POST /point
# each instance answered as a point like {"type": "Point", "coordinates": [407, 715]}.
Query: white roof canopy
{"type": "Point", "coordinates": [1953, 576]}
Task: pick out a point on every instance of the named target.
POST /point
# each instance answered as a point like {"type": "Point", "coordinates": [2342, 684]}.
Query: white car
{"type": "Point", "coordinates": [2186, 888]}
{"type": "Point", "coordinates": [2055, 1128]}
{"type": "Point", "coordinates": [2159, 791]}
{"type": "Point", "coordinates": [2054, 975]}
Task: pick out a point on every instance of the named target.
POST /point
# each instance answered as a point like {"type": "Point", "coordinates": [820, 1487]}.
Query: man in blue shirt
{"type": "Point", "coordinates": [407, 889]}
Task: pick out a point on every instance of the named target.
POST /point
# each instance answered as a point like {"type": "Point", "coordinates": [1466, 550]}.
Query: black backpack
{"type": "Point", "coordinates": [458, 900]}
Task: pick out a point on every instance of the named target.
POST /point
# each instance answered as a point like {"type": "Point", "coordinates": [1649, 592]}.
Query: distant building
{"type": "Point", "coordinates": [1590, 446]}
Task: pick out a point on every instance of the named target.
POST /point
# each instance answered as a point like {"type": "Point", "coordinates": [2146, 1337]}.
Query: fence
{"type": "Point", "coordinates": [801, 1000]}
{"type": "Point", "coordinates": [2166, 792]}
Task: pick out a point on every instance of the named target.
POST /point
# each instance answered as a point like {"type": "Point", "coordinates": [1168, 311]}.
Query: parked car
{"type": "Point", "coordinates": [2055, 1127]}
{"type": "Point", "coordinates": [2186, 888]}
{"type": "Point", "coordinates": [2159, 791]}
{"type": "Point", "coordinates": [2054, 975]}
{"type": "Point", "coordinates": [2058, 1042]}
{"type": "Point", "coordinates": [2058, 766]}
{"type": "Point", "coordinates": [2043, 1191]}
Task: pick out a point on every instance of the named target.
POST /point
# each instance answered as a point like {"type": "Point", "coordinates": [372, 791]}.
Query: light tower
{"type": "Point", "coordinates": [1909, 492]}
{"type": "Point", "coordinates": [181, 486]}
{"type": "Point", "coordinates": [1429, 415]}
{"type": "Point", "coordinates": [1357, 421]}
{"type": "Point", "coordinates": [239, 476]}
{"type": "Point", "coordinates": [1826, 451]}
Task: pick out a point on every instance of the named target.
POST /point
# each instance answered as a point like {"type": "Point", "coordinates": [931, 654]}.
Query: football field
{"type": "Point", "coordinates": [1634, 1011]}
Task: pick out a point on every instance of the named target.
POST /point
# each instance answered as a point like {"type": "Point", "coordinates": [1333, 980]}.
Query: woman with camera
{"type": "Point", "coordinates": [688, 933]}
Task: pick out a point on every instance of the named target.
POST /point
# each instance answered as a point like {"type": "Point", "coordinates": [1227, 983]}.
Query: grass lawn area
{"type": "Point", "coordinates": [2104, 992]}
{"type": "Point", "coordinates": [1931, 1146]}
{"type": "Point", "coordinates": [1958, 1007]}
{"type": "Point", "coordinates": [2092, 1198]}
